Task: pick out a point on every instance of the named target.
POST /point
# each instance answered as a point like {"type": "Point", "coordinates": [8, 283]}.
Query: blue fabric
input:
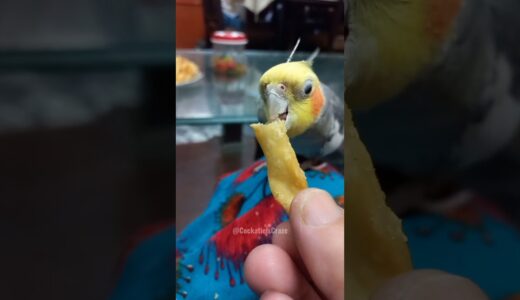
{"type": "Point", "coordinates": [195, 240]}
{"type": "Point", "coordinates": [233, 22]}
{"type": "Point", "coordinates": [209, 256]}
{"type": "Point", "coordinates": [490, 258]}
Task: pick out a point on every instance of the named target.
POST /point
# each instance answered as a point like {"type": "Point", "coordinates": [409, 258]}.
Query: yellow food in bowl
{"type": "Point", "coordinates": [185, 70]}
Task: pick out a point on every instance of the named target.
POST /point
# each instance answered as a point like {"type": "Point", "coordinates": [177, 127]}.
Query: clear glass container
{"type": "Point", "coordinates": [229, 60]}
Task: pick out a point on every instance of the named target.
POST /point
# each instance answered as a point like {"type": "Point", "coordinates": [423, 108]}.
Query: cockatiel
{"type": "Point", "coordinates": [432, 81]}
{"type": "Point", "coordinates": [313, 113]}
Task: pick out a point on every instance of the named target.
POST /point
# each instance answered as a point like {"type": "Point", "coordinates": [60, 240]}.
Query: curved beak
{"type": "Point", "coordinates": [277, 106]}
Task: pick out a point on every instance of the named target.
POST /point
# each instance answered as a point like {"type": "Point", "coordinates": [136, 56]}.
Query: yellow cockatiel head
{"type": "Point", "coordinates": [390, 42]}
{"type": "Point", "coordinates": [291, 91]}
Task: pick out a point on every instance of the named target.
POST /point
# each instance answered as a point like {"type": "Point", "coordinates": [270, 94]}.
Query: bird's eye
{"type": "Point", "coordinates": [307, 88]}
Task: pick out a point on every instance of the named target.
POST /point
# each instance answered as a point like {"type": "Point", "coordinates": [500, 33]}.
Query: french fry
{"type": "Point", "coordinates": [286, 178]}
{"type": "Point", "coordinates": [376, 246]}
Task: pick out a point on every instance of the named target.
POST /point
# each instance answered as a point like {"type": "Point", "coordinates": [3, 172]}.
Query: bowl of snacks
{"type": "Point", "coordinates": [186, 72]}
{"type": "Point", "coordinates": [229, 60]}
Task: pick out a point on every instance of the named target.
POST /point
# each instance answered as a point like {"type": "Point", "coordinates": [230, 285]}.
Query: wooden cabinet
{"type": "Point", "coordinates": [189, 23]}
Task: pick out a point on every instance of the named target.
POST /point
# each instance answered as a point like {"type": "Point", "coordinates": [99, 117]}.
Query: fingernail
{"type": "Point", "coordinates": [319, 209]}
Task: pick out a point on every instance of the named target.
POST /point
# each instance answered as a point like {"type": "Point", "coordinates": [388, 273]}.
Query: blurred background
{"type": "Point", "coordinates": [231, 43]}
{"type": "Point", "coordinates": [86, 144]}
{"type": "Point", "coordinates": [444, 137]}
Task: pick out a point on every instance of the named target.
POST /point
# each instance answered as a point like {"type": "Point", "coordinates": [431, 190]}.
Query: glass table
{"type": "Point", "coordinates": [212, 101]}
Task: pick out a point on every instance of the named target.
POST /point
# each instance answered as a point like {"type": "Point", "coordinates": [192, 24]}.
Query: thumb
{"type": "Point", "coordinates": [318, 224]}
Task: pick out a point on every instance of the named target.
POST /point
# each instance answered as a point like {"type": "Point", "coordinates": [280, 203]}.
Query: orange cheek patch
{"type": "Point", "coordinates": [317, 101]}
{"type": "Point", "coordinates": [441, 16]}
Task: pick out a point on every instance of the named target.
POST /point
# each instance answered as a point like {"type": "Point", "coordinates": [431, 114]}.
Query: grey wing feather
{"type": "Point", "coordinates": [335, 107]}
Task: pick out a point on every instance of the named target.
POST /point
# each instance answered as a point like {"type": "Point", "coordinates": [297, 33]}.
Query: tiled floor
{"type": "Point", "coordinates": [197, 168]}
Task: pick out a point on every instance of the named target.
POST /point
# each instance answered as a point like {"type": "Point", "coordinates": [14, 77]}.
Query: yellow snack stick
{"type": "Point", "coordinates": [286, 178]}
{"type": "Point", "coordinates": [376, 247]}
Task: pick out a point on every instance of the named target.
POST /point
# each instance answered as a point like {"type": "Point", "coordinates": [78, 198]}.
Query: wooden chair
{"type": "Point", "coordinates": [189, 23]}
{"type": "Point", "coordinates": [316, 22]}
{"type": "Point", "coordinates": [261, 33]}
{"type": "Point", "coordinates": [213, 18]}
{"type": "Point", "coordinates": [264, 30]}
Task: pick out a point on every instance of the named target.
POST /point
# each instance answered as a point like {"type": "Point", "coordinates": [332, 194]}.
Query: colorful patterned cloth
{"type": "Point", "coordinates": [211, 251]}
{"type": "Point", "coordinates": [475, 241]}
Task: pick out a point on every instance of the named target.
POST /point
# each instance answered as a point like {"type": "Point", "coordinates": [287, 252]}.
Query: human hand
{"type": "Point", "coordinates": [306, 261]}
